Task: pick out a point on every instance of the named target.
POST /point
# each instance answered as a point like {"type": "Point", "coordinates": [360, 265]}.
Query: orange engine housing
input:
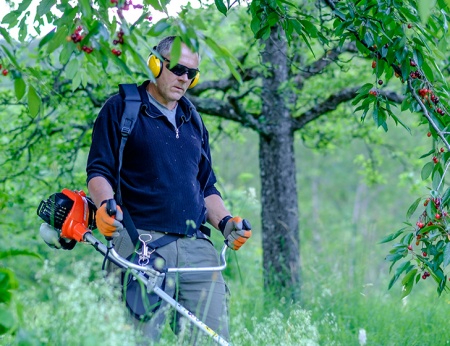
{"type": "Point", "coordinates": [76, 224]}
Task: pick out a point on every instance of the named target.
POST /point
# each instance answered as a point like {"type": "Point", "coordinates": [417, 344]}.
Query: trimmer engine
{"type": "Point", "coordinates": [70, 212]}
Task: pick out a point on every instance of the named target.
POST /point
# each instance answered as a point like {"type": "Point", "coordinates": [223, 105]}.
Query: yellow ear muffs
{"type": "Point", "coordinates": [195, 80]}
{"type": "Point", "coordinates": [155, 65]}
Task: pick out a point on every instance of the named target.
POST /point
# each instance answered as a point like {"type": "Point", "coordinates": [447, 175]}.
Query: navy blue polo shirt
{"type": "Point", "coordinates": [162, 167]}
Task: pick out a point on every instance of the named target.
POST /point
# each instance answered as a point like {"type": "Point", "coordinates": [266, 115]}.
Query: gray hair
{"type": "Point", "coordinates": [165, 46]}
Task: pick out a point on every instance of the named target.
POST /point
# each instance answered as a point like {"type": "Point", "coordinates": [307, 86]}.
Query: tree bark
{"type": "Point", "coordinates": [281, 257]}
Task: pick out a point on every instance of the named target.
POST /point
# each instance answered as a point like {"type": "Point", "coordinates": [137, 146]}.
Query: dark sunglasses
{"type": "Point", "coordinates": [180, 70]}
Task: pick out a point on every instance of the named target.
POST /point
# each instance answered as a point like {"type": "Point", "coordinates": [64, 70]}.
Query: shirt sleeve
{"type": "Point", "coordinates": [105, 142]}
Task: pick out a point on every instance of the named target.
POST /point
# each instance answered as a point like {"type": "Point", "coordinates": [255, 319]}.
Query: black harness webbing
{"type": "Point", "coordinates": [132, 99]}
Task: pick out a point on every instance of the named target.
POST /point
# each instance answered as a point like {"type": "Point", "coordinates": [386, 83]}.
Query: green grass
{"type": "Point", "coordinates": [344, 290]}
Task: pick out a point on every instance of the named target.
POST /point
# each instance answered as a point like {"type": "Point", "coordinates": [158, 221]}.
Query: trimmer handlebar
{"type": "Point", "coordinates": [108, 250]}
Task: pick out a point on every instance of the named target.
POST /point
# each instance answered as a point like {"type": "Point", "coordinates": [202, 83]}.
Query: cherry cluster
{"type": "Point", "coordinates": [126, 5]}
{"type": "Point", "coordinates": [116, 52]}
{"type": "Point", "coordinates": [76, 36]}
{"type": "Point", "coordinates": [119, 37]}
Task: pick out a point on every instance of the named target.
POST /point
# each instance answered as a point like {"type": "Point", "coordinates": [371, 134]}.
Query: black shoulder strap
{"type": "Point", "coordinates": [132, 99]}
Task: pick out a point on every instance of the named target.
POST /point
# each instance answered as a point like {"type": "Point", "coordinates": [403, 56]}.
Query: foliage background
{"type": "Point", "coordinates": [355, 183]}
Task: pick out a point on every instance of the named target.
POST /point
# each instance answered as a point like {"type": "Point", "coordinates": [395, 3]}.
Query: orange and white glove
{"type": "Point", "coordinates": [108, 218]}
{"type": "Point", "coordinates": [236, 231]}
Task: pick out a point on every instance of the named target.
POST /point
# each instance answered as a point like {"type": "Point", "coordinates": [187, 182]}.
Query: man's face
{"type": "Point", "coordinates": [171, 87]}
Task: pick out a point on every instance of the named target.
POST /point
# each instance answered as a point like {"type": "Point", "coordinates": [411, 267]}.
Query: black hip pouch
{"type": "Point", "coordinates": [140, 303]}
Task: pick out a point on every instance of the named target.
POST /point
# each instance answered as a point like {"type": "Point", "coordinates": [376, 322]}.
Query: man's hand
{"type": "Point", "coordinates": [109, 221]}
{"type": "Point", "coordinates": [236, 231]}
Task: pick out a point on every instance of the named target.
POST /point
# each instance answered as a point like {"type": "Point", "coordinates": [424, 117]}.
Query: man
{"type": "Point", "coordinates": [167, 186]}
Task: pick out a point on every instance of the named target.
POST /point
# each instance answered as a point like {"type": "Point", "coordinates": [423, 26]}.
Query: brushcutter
{"type": "Point", "coordinates": [71, 214]}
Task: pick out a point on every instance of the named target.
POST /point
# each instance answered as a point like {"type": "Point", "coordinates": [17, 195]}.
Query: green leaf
{"type": "Point", "coordinates": [85, 7]}
{"type": "Point", "coordinates": [425, 7]}
{"type": "Point", "coordinates": [18, 252]}
{"type": "Point", "coordinates": [446, 260]}
{"type": "Point", "coordinates": [175, 52]}
{"type": "Point", "coordinates": [309, 28]}
{"type": "Point", "coordinates": [76, 81]}
{"type": "Point", "coordinates": [24, 5]}
{"type": "Point", "coordinates": [418, 57]}
{"type": "Point", "coordinates": [23, 29]}
{"type": "Point", "coordinates": [445, 197]}
{"type": "Point", "coordinates": [221, 7]}
{"type": "Point", "coordinates": [405, 266]}
{"type": "Point", "coordinates": [365, 88]}
{"type": "Point", "coordinates": [10, 56]}
{"type": "Point", "coordinates": [65, 54]}
{"type": "Point", "coordinates": [47, 38]}
{"type": "Point", "coordinates": [392, 236]}
{"type": "Point", "coordinates": [19, 88]}
{"type": "Point", "coordinates": [426, 170]}
{"type": "Point", "coordinates": [5, 35]}
{"type": "Point", "coordinates": [44, 7]}
{"type": "Point", "coordinates": [155, 4]}
{"type": "Point", "coordinates": [413, 208]}
{"type": "Point", "coordinates": [159, 28]}
{"type": "Point", "coordinates": [58, 39]}
{"type": "Point", "coordinates": [437, 177]}
{"type": "Point", "coordinates": [394, 257]}
{"type": "Point", "coordinates": [6, 320]}
{"type": "Point", "coordinates": [8, 282]}
{"type": "Point", "coordinates": [442, 285]}
{"type": "Point", "coordinates": [408, 282]}
{"type": "Point", "coordinates": [11, 18]}
{"type": "Point", "coordinates": [72, 68]}
{"type": "Point", "coordinates": [34, 101]}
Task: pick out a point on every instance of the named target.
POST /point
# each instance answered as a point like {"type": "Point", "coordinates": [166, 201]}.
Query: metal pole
{"type": "Point", "coordinates": [123, 263]}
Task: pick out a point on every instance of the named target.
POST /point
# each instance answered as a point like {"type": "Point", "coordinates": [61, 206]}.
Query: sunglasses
{"type": "Point", "coordinates": [180, 70]}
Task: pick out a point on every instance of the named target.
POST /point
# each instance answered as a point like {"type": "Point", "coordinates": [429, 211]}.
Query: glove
{"type": "Point", "coordinates": [108, 219]}
{"type": "Point", "coordinates": [52, 238]}
{"type": "Point", "coordinates": [236, 231]}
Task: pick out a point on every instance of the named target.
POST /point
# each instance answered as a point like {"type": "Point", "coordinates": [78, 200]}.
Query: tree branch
{"type": "Point", "coordinates": [226, 110]}
{"type": "Point", "coordinates": [319, 65]}
{"type": "Point", "coordinates": [333, 101]}
{"type": "Point", "coordinates": [330, 104]}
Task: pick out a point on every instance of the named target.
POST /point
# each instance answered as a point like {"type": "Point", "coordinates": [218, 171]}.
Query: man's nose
{"type": "Point", "coordinates": [184, 77]}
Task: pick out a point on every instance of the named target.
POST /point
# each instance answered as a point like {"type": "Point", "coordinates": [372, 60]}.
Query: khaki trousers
{"type": "Point", "coordinates": [203, 294]}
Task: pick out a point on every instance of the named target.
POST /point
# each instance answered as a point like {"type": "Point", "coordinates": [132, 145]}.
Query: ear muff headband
{"type": "Point", "coordinates": [155, 65]}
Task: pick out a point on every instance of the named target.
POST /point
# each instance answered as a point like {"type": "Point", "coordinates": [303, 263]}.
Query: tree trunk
{"type": "Point", "coordinates": [281, 258]}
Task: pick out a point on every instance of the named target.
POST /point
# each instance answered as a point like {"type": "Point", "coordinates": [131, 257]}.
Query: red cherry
{"type": "Point", "coordinates": [5, 72]}
{"type": "Point", "coordinates": [409, 247]}
{"type": "Point", "coordinates": [424, 254]}
{"type": "Point", "coordinates": [429, 134]}
{"type": "Point", "coordinates": [374, 64]}
{"type": "Point", "coordinates": [380, 82]}
{"type": "Point", "coordinates": [409, 26]}
{"type": "Point", "coordinates": [442, 150]}
{"type": "Point", "coordinates": [435, 159]}
{"type": "Point", "coordinates": [116, 52]}
{"type": "Point", "coordinates": [437, 216]}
